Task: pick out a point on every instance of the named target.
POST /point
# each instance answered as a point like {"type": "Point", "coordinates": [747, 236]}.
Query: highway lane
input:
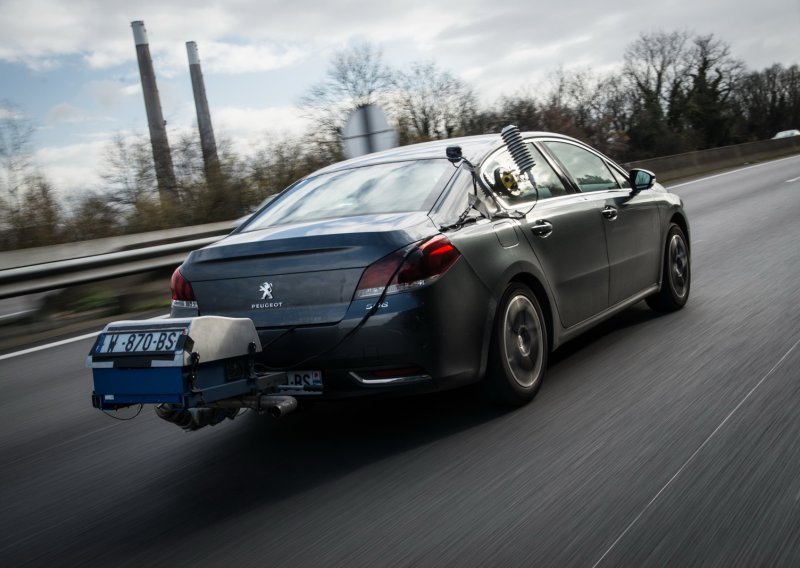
{"type": "Point", "coordinates": [655, 440]}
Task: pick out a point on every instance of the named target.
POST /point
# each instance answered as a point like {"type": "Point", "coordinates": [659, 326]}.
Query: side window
{"type": "Point", "coordinates": [501, 174]}
{"type": "Point", "coordinates": [587, 169]}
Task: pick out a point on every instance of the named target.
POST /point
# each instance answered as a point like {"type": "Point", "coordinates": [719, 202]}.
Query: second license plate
{"type": "Point", "coordinates": [306, 381]}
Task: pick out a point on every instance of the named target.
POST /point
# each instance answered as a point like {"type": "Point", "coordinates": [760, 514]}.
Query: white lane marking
{"type": "Point", "coordinates": [694, 455]}
{"type": "Point", "coordinates": [59, 343]}
{"type": "Point", "coordinates": [49, 345]}
{"type": "Point", "coordinates": [23, 312]}
{"type": "Point", "coordinates": [736, 171]}
{"type": "Point", "coordinates": [793, 179]}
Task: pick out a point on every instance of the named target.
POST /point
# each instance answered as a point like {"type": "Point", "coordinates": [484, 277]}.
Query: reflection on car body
{"type": "Point", "coordinates": [413, 270]}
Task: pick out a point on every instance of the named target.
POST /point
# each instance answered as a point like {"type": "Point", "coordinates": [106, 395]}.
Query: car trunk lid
{"type": "Point", "coordinates": [297, 274]}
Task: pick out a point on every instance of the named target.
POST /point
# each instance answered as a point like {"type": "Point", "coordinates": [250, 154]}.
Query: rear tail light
{"type": "Point", "coordinates": [182, 293]}
{"type": "Point", "coordinates": [423, 266]}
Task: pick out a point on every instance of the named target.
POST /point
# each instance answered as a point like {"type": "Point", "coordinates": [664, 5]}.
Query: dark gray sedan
{"type": "Point", "coordinates": [436, 265]}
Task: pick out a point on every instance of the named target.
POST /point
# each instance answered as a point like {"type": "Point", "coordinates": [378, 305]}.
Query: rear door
{"type": "Point", "coordinates": [566, 234]}
{"type": "Point", "coordinates": [564, 230]}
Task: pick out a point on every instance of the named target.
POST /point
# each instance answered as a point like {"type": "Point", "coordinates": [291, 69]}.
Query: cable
{"type": "Point", "coordinates": [138, 412]}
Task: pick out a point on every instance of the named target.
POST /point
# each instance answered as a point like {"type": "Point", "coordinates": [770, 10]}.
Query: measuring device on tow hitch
{"type": "Point", "coordinates": [198, 371]}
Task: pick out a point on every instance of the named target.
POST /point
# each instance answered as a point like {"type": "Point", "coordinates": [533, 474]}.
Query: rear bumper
{"type": "Point", "coordinates": [432, 339]}
{"type": "Point", "coordinates": [415, 342]}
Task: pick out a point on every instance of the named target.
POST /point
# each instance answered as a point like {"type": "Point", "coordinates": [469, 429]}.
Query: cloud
{"type": "Point", "coordinates": [221, 57]}
{"type": "Point", "coordinates": [242, 36]}
{"type": "Point", "coordinates": [9, 114]}
{"type": "Point", "coordinates": [249, 127]}
{"type": "Point", "coordinates": [72, 168]}
{"type": "Point", "coordinates": [234, 58]}
{"type": "Point", "coordinates": [111, 57]}
{"type": "Point", "coordinates": [65, 112]}
{"type": "Point", "coordinates": [109, 93]}
{"type": "Point", "coordinates": [268, 34]}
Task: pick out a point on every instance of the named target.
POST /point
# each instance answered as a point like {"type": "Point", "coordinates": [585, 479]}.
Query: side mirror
{"type": "Point", "coordinates": [641, 179]}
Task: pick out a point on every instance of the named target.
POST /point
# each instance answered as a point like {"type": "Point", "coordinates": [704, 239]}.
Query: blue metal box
{"type": "Point", "coordinates": [184, 362]}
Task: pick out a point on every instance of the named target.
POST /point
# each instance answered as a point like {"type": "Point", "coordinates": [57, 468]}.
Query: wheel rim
{"type": "Point", "coordinates": [523, 341]}
{"type": "Point", "coordinates": [678, 266]}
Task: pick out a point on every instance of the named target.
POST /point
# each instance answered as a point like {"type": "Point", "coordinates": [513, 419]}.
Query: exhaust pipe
{"type": "Point", "coordinates": [191, 419]}
{"type": "Point", "coordinates": [278, 406]}
{"type": "Point", "coordinates": [275, 405]}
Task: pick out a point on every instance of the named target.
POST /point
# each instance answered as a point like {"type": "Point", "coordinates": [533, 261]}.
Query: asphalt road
{"type": "Point", "coordinates": [655, 441]}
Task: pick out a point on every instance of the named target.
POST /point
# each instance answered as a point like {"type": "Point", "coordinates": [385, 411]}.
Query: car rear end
{"type": "Point", "coordinates": [351, 286]}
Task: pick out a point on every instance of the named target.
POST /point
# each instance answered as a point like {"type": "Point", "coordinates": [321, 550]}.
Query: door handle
{"type": "Point", "coordinates": [542, 228]}
{"type": "Point", "coordinates": [610, 213]}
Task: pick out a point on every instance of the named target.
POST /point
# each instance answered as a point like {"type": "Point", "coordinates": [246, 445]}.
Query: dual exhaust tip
{"type": "Point", "coordinates": [192, 419]}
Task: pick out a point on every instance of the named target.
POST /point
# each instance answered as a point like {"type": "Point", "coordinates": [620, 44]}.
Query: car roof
{"type": "Point", "coordinates": [475, 149]}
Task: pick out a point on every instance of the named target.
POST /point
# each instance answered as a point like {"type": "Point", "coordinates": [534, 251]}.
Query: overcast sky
{"type": "Point", "coordinates": [70, 66]}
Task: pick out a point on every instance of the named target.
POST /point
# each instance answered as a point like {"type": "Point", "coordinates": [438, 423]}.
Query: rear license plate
{"type": "Point", "coordinates": [138, 342]}
{"type": "Point", "coordinates": [309, 382]}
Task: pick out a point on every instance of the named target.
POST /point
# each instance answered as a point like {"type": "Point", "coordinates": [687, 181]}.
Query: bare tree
{"type": "Point", "coordinates": [129, 171]}
{"type": "Point", "coordinates": [521, 109]}
{"type": "Point", "coordinates": [709, 110]}
{"type": "Point", "coordinates": [657, 69]}
{"type": "Point", "coordinates": [187, 157]}
{"type": "Point", "coordinates": [278, 164]}
{"type": "Point", "coordinates": [657, 65]}
{"type": "Point", "coordinates": [92, 216]}
{"type": "Point", "coordinates": [768, 101]}
{"type": "Point", "coordinates": [219, 194]}
{"type": "Point", "coordinates": [30, 212]}
{"type": "Point", "coordinates": [38, 221]}
{"type": "Point", "coordinates": [16, 134]}
{"type": "Point", "coordinates": [433, 103]}
{"type": "Point", "coordinates": [600, 109]}
{"type": "Point", "coordinates": [356, 76]}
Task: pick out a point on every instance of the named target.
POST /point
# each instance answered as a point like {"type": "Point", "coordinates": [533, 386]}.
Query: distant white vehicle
{"type": "Point", "coordinates": [786, 134]}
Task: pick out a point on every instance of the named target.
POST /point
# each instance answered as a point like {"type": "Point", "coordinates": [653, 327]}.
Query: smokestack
{"type": "Point", "coordinates": [165, 174]}
{"type": "Point", "coordinates": [207, 140]}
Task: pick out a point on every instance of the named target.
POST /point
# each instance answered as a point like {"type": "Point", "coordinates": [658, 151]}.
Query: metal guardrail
{"type": "Point", "coordinates": [689, 164]}
{"type": "Point", "coordinates": [82, 249]}
{"type": "Point", "coordinates": [40, 270]}
{"type": "Point", "coordinates": [61, 274]}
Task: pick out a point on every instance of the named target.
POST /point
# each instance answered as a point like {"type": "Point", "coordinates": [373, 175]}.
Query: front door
{"type": "Point", "coordinates": [633, 240]}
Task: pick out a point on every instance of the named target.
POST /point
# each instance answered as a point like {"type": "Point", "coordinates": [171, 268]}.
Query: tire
{"type": "Point", "coordinates": [676, 274]}
{"type": "Point", "coordinates": [518, 356]}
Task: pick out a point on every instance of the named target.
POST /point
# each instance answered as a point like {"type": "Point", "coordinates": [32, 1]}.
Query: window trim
{"type": "Point", "coordinates": [607, 161]}
{"type": "Point", "coordinates": [555, 166]}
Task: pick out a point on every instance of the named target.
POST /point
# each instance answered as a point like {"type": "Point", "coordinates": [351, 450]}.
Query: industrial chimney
{"type": "Point", "coordinates": [207, 141]}
{"type": "Point", "coordinates": [165, 174]}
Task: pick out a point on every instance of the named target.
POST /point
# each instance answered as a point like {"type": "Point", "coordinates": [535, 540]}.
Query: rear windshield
{"type": "Point", "coordinates": [380, 188]}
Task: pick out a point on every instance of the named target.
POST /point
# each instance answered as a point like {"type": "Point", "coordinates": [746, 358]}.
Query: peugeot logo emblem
{"type": "Point", "coordinates": [266, 290]}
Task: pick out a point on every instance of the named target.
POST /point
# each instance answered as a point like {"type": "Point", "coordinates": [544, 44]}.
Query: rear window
{"type": "Point", "coordinates": [381, 188]}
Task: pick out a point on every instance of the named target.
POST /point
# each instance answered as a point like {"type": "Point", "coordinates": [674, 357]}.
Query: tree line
{"type": "Point", "coordinates": [674, 92]}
